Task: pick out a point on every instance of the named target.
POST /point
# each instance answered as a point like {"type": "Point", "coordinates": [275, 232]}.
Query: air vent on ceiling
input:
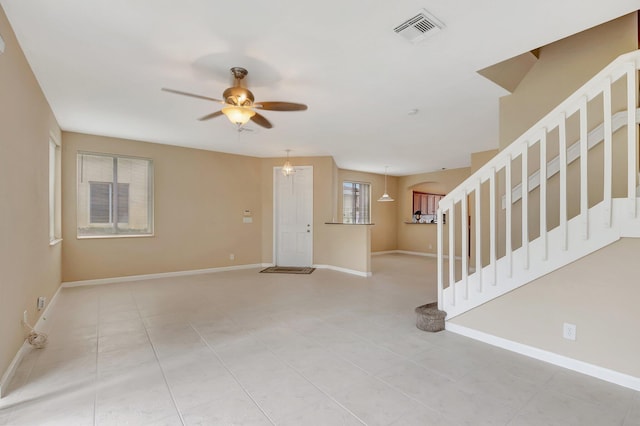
{"type": "Point", "coordinates": [419, 27]}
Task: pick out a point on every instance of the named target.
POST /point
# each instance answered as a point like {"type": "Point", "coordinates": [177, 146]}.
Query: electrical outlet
{"type": "Point", "coordinates": [430, 246]}
{"type": "Point", "coordinates": [232, 256]}
{"type": "Point", "coordinates": [41, 302]}
{"type": "Point", "coordinates": [24, 317]}
{"type": "Point", "coordinates": [569, 331]}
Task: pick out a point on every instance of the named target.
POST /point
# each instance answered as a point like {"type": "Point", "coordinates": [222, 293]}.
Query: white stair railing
{"type": "Point", "coordinates": [478, 272]}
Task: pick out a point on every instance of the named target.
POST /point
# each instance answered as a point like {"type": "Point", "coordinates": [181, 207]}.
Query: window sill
{"type": "Point", "coordinates": [102, 237]}
{"type": "Point", "coordinates": [55, 242]}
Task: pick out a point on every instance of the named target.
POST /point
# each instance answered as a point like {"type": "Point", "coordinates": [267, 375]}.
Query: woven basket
{"type": "Point", "coordinates": [430, 318]}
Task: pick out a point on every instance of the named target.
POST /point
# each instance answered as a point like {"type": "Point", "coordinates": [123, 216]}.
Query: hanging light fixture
{"type": "Point", "coordinates": [238, 115]}
{"type": "Point", "coordinates": [287, 168]}
{"type": "Point", "coordinates": [385, 197]}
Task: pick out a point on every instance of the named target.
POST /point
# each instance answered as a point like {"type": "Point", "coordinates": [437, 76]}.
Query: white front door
{"type": "Point", "coordinates": [293, 217]}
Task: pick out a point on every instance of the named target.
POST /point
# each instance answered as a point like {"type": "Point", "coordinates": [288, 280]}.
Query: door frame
{"type": "Point", "coordinates": [277, 171]}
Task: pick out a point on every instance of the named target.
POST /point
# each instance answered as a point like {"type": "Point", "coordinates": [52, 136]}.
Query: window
{"type": "Point", "coordinates": [115, 195]}
{"type": "Point", "coordinates": [54, 192]}
{"type": "Point", "coordinates": [356, 202]}
{"type": "Point", "coordinates": [101, 202]}
{"type": "Point", "coordinates": [427, 205]}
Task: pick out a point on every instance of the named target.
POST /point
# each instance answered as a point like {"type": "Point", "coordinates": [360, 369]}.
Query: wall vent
{"type": "Point", "coordinates": [419, 27]}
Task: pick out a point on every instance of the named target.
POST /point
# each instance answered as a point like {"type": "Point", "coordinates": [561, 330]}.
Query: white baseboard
{"type": "Point", "coordinates": [345, 270]}
{"type": "Point", "coordinates": [8, 375]}
{"type": "Point", "coordinates": [592, 370]}
{"type": "Point", "coordinates": [412, 253]}
{"type": "Point", "coordinates": [416, 253]}
{"type": "Point", "coordinates": [101, 281]}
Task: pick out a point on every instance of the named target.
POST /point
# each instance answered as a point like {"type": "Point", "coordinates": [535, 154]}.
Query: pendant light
{"type": "Point", "coordinates": [287, 168]}
{"type": "Point", "coordinates": [385, 197]}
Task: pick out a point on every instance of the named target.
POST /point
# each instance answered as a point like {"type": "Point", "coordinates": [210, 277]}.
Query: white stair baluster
{"type": "Point", "coordinates": [608, 154]}
{"type": "Point", "coordinates": [440, 229]}
{"type": "Point", "coordinates": [562, 130]}
{"type": "Point", "coordinates": [492, 226]}
{"type": "Point", "coordinates": [584, 170]}
{"type": "Point", "coordinates": [632, 129]}
{"type": "Point", "coordinates": [524, 185]}
{"type": "Point", "coordinates": [543, 194]}
{"type": "Point", "coordinates": [508, 190]}
{"type": "Point", "coordinates": [452, 252]}
{"type": "Point", "coordinates": [478, 226]}
{"type": "Point", "coordinates": [464, 245]}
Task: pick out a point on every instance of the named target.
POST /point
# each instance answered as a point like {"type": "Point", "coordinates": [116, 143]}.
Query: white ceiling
{"type": "Point", "coordinates": [101, 65]}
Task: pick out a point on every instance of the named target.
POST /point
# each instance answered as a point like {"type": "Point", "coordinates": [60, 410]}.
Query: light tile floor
{"type": "Point", "coordinates": [261, 349]}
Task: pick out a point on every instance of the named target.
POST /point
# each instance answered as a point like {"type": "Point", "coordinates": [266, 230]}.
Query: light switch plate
{"type": "Point", "coordinates": [1, 45]}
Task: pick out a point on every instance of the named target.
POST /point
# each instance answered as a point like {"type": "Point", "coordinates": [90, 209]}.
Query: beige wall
{"type": "Point", "coordinates": [349, 246]}
{"type": "Point", "coordinates": [383, 215]}
{"type": "Point", "coordinates": [562, 68]}
{"type": "Point", "coordinates": [199, 200]}
{"type": "Point", "coordinates": [598, 293]}
{"type": "Point", "coordinates": [423, 238]}
{"type": "Point", "coordinates": [29, 267]}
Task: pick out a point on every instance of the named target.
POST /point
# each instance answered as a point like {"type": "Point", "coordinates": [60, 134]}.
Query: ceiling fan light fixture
{"type": "Point", "coordinates": [385, 197]}
{"type": "Point", "coordinates": [238, 115]}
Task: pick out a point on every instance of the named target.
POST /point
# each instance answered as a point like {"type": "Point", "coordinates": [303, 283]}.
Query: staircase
{"type": "Point", "coordinates": [565, 188]}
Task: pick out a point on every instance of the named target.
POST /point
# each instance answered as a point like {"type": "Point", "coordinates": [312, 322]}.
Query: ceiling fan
{"type": "Point", "coordinates": [239, 103]}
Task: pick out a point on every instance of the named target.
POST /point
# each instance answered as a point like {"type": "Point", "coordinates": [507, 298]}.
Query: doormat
{"type": "Point", "coordinates": [287, 270]}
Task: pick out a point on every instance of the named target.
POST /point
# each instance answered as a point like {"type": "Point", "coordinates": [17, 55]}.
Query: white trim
{"type": "Point", "coordinates": [592, 370]}
{"type": "Point", "coordinates": [10, 372]}
{"type": "Point", "coordinates": [101, 281]}
{"type": "Point", "coordinates": [345, 270]}
{"type": "Point", "coordinates": [55, 242]}
{"type": "Point", "coordinates": [378, 253]}
{"type": "Point", "coordinates": [412, 253]}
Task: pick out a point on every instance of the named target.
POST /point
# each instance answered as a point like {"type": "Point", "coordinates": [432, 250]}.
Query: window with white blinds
{"type": "Point", "coordinates": [356, 202]}
{"type": "Point", "coordinates": [115, 195]}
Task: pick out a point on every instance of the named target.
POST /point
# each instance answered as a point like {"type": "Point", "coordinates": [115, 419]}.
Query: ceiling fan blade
{"type": "Point", "coordinates": [280, 106]}
{"type": "Point", "coordinates": [178, 92]}
{"type": "Point", "coordinates": [210, 116]}
{"type": "Point", "coordinates": [260, 120]}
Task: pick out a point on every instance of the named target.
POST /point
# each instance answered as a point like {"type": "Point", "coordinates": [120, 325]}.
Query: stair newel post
{"type": "Point", "coordinates": [452, 251]}
{"type": "Point", "coordinates": [632, 129]}
{"type": "Point", "coordinates": [584, 169]}
{"type": "Point", "coordinates": [464, 243]}
{"type": "Point", "coordinates": [562, 130]}
{"type": "Point", "coordinates": [478, 232]}
{"type": "Point", "coordinates": [543, 194]}
{"type": "Point", "coordinates": [608, 154]}
{"type": "Point", "coordinates": [440, 228]}
{"type": "Point", "coordinates": [524, 185]}
{"type": "Point", "coordinates": [508, 201]}
{"type": "Point", "coordinates": [492, 226]}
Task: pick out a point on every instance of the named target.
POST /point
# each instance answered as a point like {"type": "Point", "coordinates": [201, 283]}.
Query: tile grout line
{"type": "Point", "coordinates": [303, 376]}
{"type": "Point", "coordinates": [155, 354]}
{"type": "Point", "coordinates": [224, 364]}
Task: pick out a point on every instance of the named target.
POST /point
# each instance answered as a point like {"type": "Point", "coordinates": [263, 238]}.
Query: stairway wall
{"type": "Point", "coordinates": [598, 293]}
{"type": "Point", "coordinates": [563, 67]}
